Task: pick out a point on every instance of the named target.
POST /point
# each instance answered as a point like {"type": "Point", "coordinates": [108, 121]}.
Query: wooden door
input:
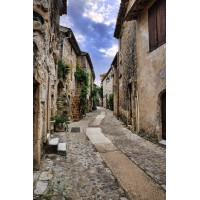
{"type": "Point", "coordinates": [163, 110]}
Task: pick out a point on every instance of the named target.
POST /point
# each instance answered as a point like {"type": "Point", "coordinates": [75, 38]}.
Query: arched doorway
{"type": "Point", "coordinates": [163, 115]}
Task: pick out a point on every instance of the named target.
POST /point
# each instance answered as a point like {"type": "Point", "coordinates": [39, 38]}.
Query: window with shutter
{"type": "Point", "coordinates": [157, 24]}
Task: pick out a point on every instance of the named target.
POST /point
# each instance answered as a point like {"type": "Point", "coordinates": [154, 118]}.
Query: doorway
{"type": "Point", "coordinates": [35, 124]}
{"type": "Point", "coordinates": [163, 114]}
{"type": "Point", "coordinates": [130, 104]}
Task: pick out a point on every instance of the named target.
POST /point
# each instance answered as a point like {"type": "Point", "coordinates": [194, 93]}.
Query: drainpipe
{"type": "Point", "coordinates": [138, 126]}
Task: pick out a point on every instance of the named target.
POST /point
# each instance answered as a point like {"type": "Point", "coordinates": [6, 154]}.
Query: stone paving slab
{"type": "Point", "coordinates": [105, 147]}
{"type": "Point", "coordinates": [41, 186]}
{"type": "Point", "coordinates": [148, 156]}
{"type": "Point", "coordinates": [96, 137]}
{"type": "Point", "coordinates": [134, 180]}
{"type": "Point", "coordinates": [45, 176]}
{"type": "Point", "coordinates": [98, 119]}
{"type": "Point", "coordinates": [54, 141]}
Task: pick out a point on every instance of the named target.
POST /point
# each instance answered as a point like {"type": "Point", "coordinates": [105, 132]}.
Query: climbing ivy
{"type": "Point", "coordinates": [63, 69]}
{"type": "Point", "coordinates": [82, 77]}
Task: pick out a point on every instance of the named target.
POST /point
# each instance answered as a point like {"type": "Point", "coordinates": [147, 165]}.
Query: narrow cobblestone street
{"type": "Point", "coordinates": [82, 174]}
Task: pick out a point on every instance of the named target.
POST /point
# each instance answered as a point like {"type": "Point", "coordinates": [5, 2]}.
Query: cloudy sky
{"type": "Point", "coordinates": [93, 23]}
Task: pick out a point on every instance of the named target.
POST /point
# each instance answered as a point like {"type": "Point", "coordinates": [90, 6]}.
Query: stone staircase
{"type": "Point", "coordinates": [53, 146]}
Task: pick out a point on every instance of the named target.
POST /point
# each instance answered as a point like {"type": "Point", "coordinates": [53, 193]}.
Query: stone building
{"type": "Point", "coordinates": [107, 83]}
{"type": "Point", "coordinates": [141, 32]}
{"type": "Point", "coordinates": [115, 66]}
{"type": "Point", "coordinates": [86, 64]}
{"type": "Point", "coordinates": [71, 54]}
{"type": "Point", "coordinates": [46, 15]}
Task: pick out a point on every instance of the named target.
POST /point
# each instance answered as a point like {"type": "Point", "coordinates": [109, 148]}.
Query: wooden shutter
{"type": "Point", "coordinates": [161, 21]}
{"type": "Point", "coordinates": [152, 28]}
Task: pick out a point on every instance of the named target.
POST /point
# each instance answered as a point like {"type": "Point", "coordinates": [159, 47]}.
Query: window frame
{"type": "Point", "coordinates": [155, 6]}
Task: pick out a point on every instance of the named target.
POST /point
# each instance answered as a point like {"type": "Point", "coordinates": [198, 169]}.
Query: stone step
{"type": "Point", "coordinates": [48, 137]}
{"type": "Point", "coordinates": [54, 141]}
{"type": "Point", "coordinates": [162, 143]}
{"type": "Point", "coordinates": [61, 149]}
{"type": "Point", "coordinates": [52, 145]}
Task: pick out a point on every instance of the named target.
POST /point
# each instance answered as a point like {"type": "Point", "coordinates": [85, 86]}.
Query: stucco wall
{"type": "Point", "coordinates": [151, 78]}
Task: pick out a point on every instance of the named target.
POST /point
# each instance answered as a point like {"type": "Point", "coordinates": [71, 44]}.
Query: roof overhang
{"type": "Point", "coordinates": [114, 62]}
{"type": "Point", "coordinates": [89, 61]}
{"type": "Point", "coordinates": [120, 18]}
{"type": "Point", "coordinates": [107, 74]}
{"type": "Point", "coordinates": [135, 9]}
{"type": "Point", "coordinates": [72, 39]}
{"type": "Point", "coordinates": [63, 7]}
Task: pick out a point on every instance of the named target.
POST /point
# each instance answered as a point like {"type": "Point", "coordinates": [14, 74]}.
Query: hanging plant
{"type": "Point", "coordinates": [63, 69]}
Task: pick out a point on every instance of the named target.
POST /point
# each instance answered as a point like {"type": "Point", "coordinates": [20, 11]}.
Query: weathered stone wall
{"type": "Point", "coordinates": [107, 87]}
{"type": "Point", "coordinates": [85, 65]}
{"type": "Point", "coordinates": [69, 56]}
{"type": "Point", "coordinates": [116, 87]}
{"type": "Point", "coordinates": [90, 85]}
{"type": "Point", "coordinates": [45, 55]}
{"type": "Point", "coordinates": [151, 78]}
{"type": "Point", "coordinates": [127, 66]}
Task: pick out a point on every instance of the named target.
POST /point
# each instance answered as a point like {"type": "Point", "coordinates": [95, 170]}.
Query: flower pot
{"type": "Point", "coordinates": [61, 127]}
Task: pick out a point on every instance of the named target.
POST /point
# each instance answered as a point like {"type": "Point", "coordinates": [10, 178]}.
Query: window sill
{"type": "Point", "coordinates": [156, 47]}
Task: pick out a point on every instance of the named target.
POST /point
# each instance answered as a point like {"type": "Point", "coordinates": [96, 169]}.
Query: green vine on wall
{"type": "Point", "coordinates": [82, 77]}
{"type": "Point", "coordinates": [63, 69]}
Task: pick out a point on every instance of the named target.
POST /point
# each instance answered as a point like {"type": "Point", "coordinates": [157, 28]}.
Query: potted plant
{"type": "Point", "coordinates": [60, 124]}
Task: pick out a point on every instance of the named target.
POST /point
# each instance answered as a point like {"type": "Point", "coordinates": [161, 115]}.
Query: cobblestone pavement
{"type": "Point", "coordinates": [148, 156]}
{"type": "Point", "coordinates": [81, 175]}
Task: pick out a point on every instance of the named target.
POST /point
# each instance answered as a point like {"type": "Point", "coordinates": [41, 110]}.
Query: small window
{"type": "Point", "coordinates": [157, 24]}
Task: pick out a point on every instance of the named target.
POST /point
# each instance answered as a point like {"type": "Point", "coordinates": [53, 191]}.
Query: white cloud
{"type": "Point", "coordinates": [109, 52]}
{"type": "Point", "coordinates": [97, 81]}
{"type": "Point", "coordinates": [66, 22]}
{"type": "Point", "coordinates": [100, 11]}
{"type": "Point", "coordinates": [80, 38]}
{"type": "Point", "coordinates": [96, 17]}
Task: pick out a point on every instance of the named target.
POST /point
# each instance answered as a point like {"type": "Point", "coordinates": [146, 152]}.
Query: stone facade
{"type": "Point", "coordinates": [142, 76]}
{"type": "Point", "coordinates": [86, 64]}
{"type": "Point", "coordinates": [107, 83]}
{"type": "Point", "coordinates": [69, 52]}
{"type": "Point", "coordinates": [46, 16]}
{"type": "Point", "coordinates": [74, 57]}
{"type": "Point", "coordinates": [116, 85]}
